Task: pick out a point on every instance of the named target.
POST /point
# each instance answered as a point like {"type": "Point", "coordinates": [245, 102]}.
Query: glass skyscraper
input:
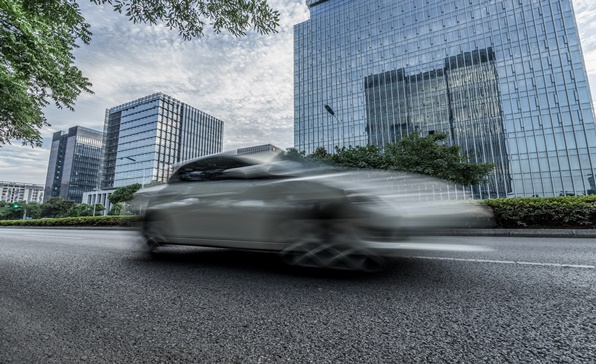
{"type": "Point", "coordinates": [145, 137]}
{"type": "Point", "coordinates": [73, 168]}
{"type": "Point", "coordinates": [506, 79]}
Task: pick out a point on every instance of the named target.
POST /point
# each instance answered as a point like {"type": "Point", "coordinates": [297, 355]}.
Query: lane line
{"type": "Point", "coordinates": [580, 266]}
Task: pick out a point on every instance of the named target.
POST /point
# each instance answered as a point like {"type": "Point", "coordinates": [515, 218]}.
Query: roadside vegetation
{"type": "Point", "coordinates": [65, 212]}
{"type": "Point", "coordinates": [92, 221]}
{"type": "Point", "coordinates": [565, 212]}
{"type": "Point", "coordinates": [429, 155]}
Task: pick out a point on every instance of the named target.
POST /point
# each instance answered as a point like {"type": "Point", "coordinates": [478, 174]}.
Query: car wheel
{"type": "Point", "coordinates": [153, 232]}
{"type": "Point", "coordinates": [325, 244]}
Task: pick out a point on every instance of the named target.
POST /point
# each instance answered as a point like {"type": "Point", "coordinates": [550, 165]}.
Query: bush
{"type": "Point", "coordinates": [550, 212]}
{"type": "Point", "coordinates": [76, 221]}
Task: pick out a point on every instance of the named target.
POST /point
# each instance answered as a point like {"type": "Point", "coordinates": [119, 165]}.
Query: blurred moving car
{"type": "Point", "coordinates": [313, 217]}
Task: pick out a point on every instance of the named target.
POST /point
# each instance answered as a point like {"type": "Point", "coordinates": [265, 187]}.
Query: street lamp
{"type": "Point", "coordinates": [134, 160]}
{"type": "Point", "coordinates": [330, 111]}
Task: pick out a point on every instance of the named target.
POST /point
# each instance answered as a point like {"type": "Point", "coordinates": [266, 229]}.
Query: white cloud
{"type": "Point", "coordinates": [585, 11]}
{"type": "Point", "coordinates": [24, 164]}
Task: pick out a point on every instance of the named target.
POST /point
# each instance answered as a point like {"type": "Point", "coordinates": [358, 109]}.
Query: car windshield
{"type": "Point", "coordinates": [207, 169]}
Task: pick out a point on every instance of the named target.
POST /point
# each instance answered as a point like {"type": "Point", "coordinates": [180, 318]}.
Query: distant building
{"type": "Point", "coordinates": [75, 159]}
{"type": "Point", "coordinates": [17, 192]}
{"type": "Point", "coordinates": [145, 137]}
{"type": "Point", "coordinates": [259, 150]}
{"type": "Point", "coordinates": [101, 197]}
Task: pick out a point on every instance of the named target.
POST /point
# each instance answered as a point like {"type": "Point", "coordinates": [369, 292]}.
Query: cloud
{"type": "Point", "coordinates": [24, 164]}
{"type": "Point", "coordinates": [585, 11]}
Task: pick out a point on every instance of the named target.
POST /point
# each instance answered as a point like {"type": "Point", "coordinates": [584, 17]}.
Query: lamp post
{"type": "Point", "coordinates": [134, 160]}
{"type": "Point", "coordinates": [94, 200]}
{"type": "Point", "coordinates": [330, 111]}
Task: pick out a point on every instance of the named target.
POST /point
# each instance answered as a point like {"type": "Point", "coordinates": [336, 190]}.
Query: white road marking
{"type": "Point", "coordinates": [53, 236]}
{"type": "Point", "coordinates": [511, 262]}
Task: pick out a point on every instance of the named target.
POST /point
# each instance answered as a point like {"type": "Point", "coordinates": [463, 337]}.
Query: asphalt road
{"type": "Point", "coordinates": [72, 296]}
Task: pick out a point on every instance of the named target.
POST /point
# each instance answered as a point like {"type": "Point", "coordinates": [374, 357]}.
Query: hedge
{"type": "Point", "coordinates": [577, 212]}
{"type": "Point", "coordinates": [76, 221]}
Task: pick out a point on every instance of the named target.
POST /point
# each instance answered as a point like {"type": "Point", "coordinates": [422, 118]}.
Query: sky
{"type": "Point", "coordinates": [248, 82]}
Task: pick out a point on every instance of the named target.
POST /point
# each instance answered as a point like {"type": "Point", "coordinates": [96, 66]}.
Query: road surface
{"type": "Point", "coordinates": [77, 296]}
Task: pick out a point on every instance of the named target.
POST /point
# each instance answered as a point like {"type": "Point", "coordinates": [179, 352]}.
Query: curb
{"type": "Point", "coordinates": [545, 233]}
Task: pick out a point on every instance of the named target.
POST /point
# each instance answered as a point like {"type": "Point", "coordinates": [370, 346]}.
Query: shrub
{"type": "Point", "coordinates": [76, 221]}
{"type": "Point", "coordinates": [549, 212]}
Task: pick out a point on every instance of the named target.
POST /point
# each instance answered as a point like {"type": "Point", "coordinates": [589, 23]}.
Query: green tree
{"type": "Point", "coordinates": [33, 210]}
{"type": "Point", "coordinates": [429, 155]}
{"type": "Point", "coordinates": [369, 156]}
{"type": "Point", "coordinates": [191, 17]}
{"type": "Point", "coordinates": [292, 154]}
{"type": "Point", "coordinates": [37, 39]}
{"type": "Point", "coordinates": [99, 209]}
{"type": "Point", "coordinates": [432, 156]}
{"type": "Point", "coordinates": [81, 209]}
{"type": "Point", "coordinates": [123, 194]}
{"type": "Point", "coordinates": [116, 209]}
{"type": "Point", "coordinates": [12, 210]}
{"type": "Point", "coordinates": [56, 207]}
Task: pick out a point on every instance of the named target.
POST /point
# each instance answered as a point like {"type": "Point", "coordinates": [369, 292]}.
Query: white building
{"type": "Point", "coordinates": [93, 197]}
{"type": "Point", "coordinates": [18, 192]}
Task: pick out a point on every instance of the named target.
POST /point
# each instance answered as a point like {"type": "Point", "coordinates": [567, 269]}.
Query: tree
{"type": "Point", "coordinates": [33, 210]}
{"type": "Point", "coordinates": [123, 194]}
{"type": "Point", "coordinates": [12, 210]}
{"type": "Point", "coordinates": [428, 155]}
{"type": "Point", "coordinates": [190, 17]}
{"type": "Point", "coordinates": [56, 207]}
{"type": "Point", "coordinates": [37, 38]}
{"type": "Point", "coordinates": [99, 209]}
{"type": "Point", "coordinates": [369, 156]}
{"type": "Point", "coordinates": [81, 209]}
{"type": "Point", "coordinates": [115, 210]}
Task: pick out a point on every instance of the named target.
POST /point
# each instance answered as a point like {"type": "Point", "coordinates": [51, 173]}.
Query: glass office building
{"type": "Point", "coordinates": [73, 168]}
{"type": "Point", "coordinates": [146, 137]}
{"type": "Point", "coordinates": [506, 79]}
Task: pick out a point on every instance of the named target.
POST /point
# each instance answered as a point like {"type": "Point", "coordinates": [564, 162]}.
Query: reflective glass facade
{"type": "Point", "coordinates": [75, 158]}
{"type": "Point", "coordinates": [145, 137]}
{"type": "Point", "coordinates": [506, 79]}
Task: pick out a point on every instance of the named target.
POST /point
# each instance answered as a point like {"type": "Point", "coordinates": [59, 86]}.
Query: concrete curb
{"type": "Point", "coordinates": [546, 233]}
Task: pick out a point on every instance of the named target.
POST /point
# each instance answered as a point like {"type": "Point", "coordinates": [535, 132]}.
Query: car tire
{"type": "Point", "coordinates": [318, 243]}
{"type": "Point", "coordinates": [153, 232]}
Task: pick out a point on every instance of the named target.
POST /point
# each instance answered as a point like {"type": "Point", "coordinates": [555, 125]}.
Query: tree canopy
{"type": "Point", "coordinates": [429, 155]}
{"type": "Point", "coordinates": [123, 194]}
{"type": "Point", "coordinates": [37, 39]}
{"type": "Point", "coordinates": [56, 207]}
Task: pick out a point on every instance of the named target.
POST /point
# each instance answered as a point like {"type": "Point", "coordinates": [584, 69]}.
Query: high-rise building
{"type": "Point", "coordinates": [17, 192]}
{"type": "Point", "coordinates": [145, 137]}
{"type": "Point", "coordinates": [75, 158]}
{"type": "Point", "coordinates": [506, 79]}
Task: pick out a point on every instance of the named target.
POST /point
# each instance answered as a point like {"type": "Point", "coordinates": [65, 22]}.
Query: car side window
{"type": "Point", "coordinates": [207, 170]}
